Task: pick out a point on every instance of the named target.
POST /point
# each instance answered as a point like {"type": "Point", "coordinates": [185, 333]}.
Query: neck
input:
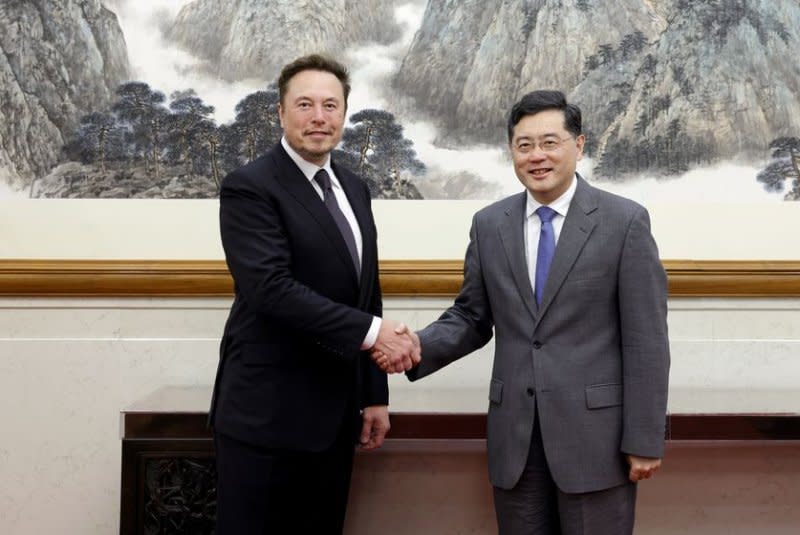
{"type": "Point", "coordinates": [317, 159]}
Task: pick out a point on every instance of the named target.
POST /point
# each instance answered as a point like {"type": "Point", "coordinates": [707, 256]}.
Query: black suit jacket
{"type": "Point", "coordinates": [291, 371]}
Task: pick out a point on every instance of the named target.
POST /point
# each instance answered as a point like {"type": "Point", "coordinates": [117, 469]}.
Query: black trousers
{"type": "Point", "coordinates": [264, 491]}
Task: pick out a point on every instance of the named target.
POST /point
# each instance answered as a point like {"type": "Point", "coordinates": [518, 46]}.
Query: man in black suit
{"type": "Point", "coordinates": [295, 386]}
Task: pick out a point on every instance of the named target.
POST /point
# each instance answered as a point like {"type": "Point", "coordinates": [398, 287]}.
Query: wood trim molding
{"type": "Point", "coordinates": [107, 278]}
{"type": "Point", "coordinates": [175, 425]}
{"type": "Point", "coordinates": [726, 278]}
{"type": "Point", "coordinates": [432, 278]}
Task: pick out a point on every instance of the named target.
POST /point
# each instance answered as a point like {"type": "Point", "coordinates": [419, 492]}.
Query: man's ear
{"type": "Point", "coordinates": [581, 141]}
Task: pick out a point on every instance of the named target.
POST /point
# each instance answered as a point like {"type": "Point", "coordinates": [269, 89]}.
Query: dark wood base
{"type": "Point", "coordinates": [168, 473]}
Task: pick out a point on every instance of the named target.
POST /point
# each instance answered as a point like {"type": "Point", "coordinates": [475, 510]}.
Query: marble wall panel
{"type": "Point", "coordinates": [67, 367]}
{"type": "Point", "coordinates": [60, 452]}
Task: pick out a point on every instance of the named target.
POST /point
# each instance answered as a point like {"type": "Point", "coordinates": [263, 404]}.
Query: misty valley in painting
{"type": "Point", "coordinates": [160, 99]}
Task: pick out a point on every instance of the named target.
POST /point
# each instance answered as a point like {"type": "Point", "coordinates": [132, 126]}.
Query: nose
{"type": "Point", "coordinates": [318, 115]}
{"type": "Point", "coordinates": [536, 155]}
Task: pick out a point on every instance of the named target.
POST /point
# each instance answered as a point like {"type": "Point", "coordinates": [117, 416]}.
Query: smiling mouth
{"type": "Point", "coordinates": [539, 172]}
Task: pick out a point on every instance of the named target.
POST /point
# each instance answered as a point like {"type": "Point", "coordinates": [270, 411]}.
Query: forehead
{"type": "Point", "coordinates": [314, 84]}
{"type": "Point", "coordinates": [541, 124]}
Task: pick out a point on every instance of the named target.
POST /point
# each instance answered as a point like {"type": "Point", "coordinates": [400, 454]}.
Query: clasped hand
{"type": "Point", "coordinates": [642, 467]}
{"type": "Point", "coordinates": [397, 348]}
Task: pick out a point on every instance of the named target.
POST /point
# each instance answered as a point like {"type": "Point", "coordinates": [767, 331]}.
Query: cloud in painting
{"type": "Point", "coordinates": [5, 191]}
{"type": "Point", "coordinates": [372, 67]}
{"type": "Point", "coordinates": [166, 67]}
{"type": "Point", "coordinates": [725, 182]}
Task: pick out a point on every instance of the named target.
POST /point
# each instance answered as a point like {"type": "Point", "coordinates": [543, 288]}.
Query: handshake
{"type": "Point", "coordinates": [397, 348]}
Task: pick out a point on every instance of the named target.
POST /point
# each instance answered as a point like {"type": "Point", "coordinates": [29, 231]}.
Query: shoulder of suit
{"type": "Point", "coordinates": [611, 202]}
{"type": "Point", "coordinates": [258, 171]}
{"type": "Point", "coordinates": [344, 173]}
{"type": "Point", "coordinates": [503, 206]}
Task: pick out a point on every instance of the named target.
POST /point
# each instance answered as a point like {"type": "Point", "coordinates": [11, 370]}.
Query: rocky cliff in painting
{"type": "Point", "coordinates": [663, 84]}
{"type": "Point", "coordinates": [242, 39]}
{"type": "Point", "coordinates": [58, 58]}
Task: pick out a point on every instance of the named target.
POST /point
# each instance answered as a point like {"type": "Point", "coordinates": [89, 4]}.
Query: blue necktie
{"type": "Point", "coordinates": [329, 198]}
{"type": "Point", "coordinates": [547, 246]}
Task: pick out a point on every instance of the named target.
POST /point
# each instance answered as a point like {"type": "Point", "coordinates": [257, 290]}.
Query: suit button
{"type": "Point", "coordinates": [537, 345]}
{"type": "Point", "coordinates": [530, 392]}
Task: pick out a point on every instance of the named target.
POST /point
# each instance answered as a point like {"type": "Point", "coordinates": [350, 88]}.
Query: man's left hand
{"type": "Point", "coordinates": [642, 467]}
{"type": "Point", "coordinates": [375, 425]}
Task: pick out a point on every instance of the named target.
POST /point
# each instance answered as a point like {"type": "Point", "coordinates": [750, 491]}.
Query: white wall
{"type": "Point", "coordinates": [67, 367]}
{"type": "Point", "coordinates": [188, 229]}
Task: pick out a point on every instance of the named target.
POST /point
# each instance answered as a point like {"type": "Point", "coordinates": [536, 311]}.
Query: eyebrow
{"type": "Point", "coordinates": [301, 98]}
{"type": "Point", "coordinates": [543, 136]}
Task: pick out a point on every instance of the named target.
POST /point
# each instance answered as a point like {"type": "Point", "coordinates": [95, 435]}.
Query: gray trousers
{"type": "Point", "coordinates": [535, 506]}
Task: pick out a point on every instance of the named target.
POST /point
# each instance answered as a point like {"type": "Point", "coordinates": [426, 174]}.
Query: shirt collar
{"type": "Point", "coordinates": [308, 169]}
{"type": "Point", "coordinates": [560, 205]}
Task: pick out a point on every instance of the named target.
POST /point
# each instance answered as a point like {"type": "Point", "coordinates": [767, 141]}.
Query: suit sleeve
{"type": "Point", "coordinates": [466, 325]}
{"type": "Point", "coordinates": [645, 345]}
{"type": "Point", "coordinates": [257, 251]}
{"type": "Point", "coordinates": [375, 387]}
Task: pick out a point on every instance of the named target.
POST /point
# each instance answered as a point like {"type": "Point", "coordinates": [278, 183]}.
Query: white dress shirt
{"type": "Point", "coordinates": [309, 170]}
{"type": "Point", "coordinates": [533, 225]}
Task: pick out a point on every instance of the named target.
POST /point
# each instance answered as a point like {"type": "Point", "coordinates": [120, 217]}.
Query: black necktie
{"type": "Point", "coordinates": [346, 231]}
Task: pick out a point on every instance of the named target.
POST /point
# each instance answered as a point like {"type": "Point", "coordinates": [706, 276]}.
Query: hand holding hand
{"type": "Point", "coordinates": [397, 348]}
{"type": "Point", "coordinates": [642, 467]}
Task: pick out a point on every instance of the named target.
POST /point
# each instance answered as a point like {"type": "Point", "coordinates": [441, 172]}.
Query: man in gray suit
{"type": "Point", "coordinates": [569, 277]}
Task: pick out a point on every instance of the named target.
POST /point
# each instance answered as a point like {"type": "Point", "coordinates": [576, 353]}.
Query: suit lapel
{"type": "Point", "coordinates": [353, 189]}
{"type": "Point", "coordinates": [513, 239]}
{"type": "Point", "coordinates": [578, 226]}
{"type": "Point", "coordinates": [296, 183]}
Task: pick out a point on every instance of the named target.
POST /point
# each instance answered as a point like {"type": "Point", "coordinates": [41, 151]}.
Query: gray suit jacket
{"type": "Point", "coordinates": [592, 363]}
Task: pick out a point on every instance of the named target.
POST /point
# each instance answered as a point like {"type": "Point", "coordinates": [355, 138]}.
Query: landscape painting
{"type": "Point", "coordinates": [682, 100]}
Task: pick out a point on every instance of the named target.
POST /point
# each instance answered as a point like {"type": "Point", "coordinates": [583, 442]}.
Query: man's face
{"type": "Point", "coordinates": [545, 154]}
{"type": "Point", "coordinates": [312, 114]}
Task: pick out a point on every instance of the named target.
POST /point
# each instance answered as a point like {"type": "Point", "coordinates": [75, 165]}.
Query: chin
{"type": "Point", "coordinates": [321, 151]}
{"type": "Point", "coordinates": [540, 187]}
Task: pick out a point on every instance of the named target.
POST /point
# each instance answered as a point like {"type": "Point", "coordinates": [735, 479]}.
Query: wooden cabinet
{"type": "Point", "coordinates": [168, 473]}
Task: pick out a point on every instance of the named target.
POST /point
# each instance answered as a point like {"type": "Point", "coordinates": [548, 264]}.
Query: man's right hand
{"type": "Point", "coordinates": [397, 349]}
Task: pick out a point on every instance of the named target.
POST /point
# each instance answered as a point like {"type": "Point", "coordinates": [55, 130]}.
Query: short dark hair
{"type": "Point", "coordinates": [542, 100]}
{"type": "Point", "coordinates": [313, 62]}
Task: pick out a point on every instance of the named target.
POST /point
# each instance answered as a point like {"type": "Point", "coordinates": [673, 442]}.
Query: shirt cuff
{"type": "Point", "coordinates": [372, 334]}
